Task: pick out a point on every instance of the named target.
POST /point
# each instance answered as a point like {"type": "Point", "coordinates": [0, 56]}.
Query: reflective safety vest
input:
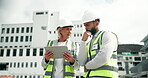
{"type": "Point", "coordinates": [109, 69]}
{"type": "Point", "coordinates": [68, 69]}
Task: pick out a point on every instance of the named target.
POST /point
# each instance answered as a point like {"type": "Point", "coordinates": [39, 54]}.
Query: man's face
{"type": "Point", "coordinates": [89, 25]}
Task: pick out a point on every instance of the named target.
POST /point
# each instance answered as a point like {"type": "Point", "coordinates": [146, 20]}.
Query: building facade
{"type": "Point", "coordinates": [141, 70]}
{"type": "Point", "coordinates": [22, 45]}
{"type": "Point", "coordinates": [129, 55]}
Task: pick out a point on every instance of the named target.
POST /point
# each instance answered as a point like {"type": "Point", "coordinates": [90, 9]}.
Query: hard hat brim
{"type": "Point", "coordinates": [63, 27]}
{"type": "Point", "coordinates": [67, 26]}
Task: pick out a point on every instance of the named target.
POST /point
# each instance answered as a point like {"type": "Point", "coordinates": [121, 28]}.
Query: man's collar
{"type": "Point", "coordinates": [97, 34]}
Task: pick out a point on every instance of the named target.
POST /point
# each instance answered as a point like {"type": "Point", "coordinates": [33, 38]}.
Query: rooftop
{"type": "Point", "coordinates": [145, 38]}
{"type": "Point", "coordinates": [129, 48]}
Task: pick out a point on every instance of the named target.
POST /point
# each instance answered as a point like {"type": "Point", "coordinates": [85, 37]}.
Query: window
{"type": "Point", "coordinates": [31, 29]}
{"type": "Point", "coordinates": [17, 30]}
{"type": "Point", "coordinates": [31, 64]}
{"type": "Point", "coordinates": [26, 64]}
{"type": "Point", "coordinates": [21, 76]}
{"type": "Point", "coordinates": [17, 76]}
{"type": "Point", "coordinates": [121, 69]}
{"type": "Point", "coordinates": [8, 52]}
{"type": "Point", "coordinates": [26, 39]}
{"type": "Point", "coordinates": [14, 64]}
{"type": "Point", "coordinates": [25, 77]}
{"type": "Point", "coordinates": [38, 76]}
{"type": "Point", "coordinates": [3, 30]}
{"type": "Point", "coordinates": [39, 13]}
{"type": "Point", "coordinates": [21, 39]}
{"type": "Point", "coordinates": [21, 52]}
{"type": "Point", "coordinates": [81, 25]}
{"type": "Point", "coordinates": [28, 52]}
{"type": "Point", "coordinates": [4, 66]}
{"type": "Point", "coordinates": [119, 64]}
{"type": "Point", "coordinates": [30, 38]}
{"type": "Point", "coordinates": [51, 14]}
{"type": "Point", "coordinates": [35, 65]}
{"type": "Point", "coordinates": [8, 30]}
{"type": "Point", "coordinates": [74, 35]}
{"type": "Point", "coordinates": [27, 30]}
{"type": "Point", "coordinates": [2, 39]}
{"type": "Point", "coordinates": [22, 64]}
{"type": "Point", "coordinates": [1, 52]}
{"type": "Point", "coordinates": [126, 58]}
{"type": "Point", "coordinates": [16, 39]}
{"type": "Point", "coordinates": [78, 35]}
{"type": "Point", "coordinates": [46, 12]}
{"type": "Point", "coordinates": [14, 52]}
{"type": "Point", "coordinates": [41, 51]}
{"type": "Point", "coordinates": [34, 51]}
{"type": "Point", "coordinates": [10, 64]}
{"type": "Point", "coordinates": [22, 30]}
{"type": "Point", "coordinates": [11, 39]}
{"type": "Point", "coordinates": [18, 64]}
{"type": "Point", "coordinates": [7, 38]}
{"type": "Point", "coordinates": [12, 30]}
{"type": "Point", "coordinates": [81, 35]}
{"type": "Point", "coordinates": [137, 58]}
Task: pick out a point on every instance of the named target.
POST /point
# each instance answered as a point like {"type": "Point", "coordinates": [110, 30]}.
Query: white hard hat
{"type": "Point", "coordinates": [65, 23]}
{"type": "Point", "coordinates": [89, 16]}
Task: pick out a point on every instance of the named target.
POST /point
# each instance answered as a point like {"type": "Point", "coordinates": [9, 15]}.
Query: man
{"type": "Point", "coordinates": [99, 56]}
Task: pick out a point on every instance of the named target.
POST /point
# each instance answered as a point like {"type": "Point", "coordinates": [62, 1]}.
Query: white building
{"type": "Point", "coordinates": [129, 55]}
{"type": "Point", "coordinates": [22, 45]}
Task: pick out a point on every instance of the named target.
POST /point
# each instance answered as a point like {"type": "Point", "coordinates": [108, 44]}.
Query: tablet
{"type": "Point", "coordinates": [58, 50]}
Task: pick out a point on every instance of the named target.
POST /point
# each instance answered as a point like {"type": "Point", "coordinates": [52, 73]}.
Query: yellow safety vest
{"type": "Point", "coordinates": [68, 69]}
{"type": "Point", "coordinates": [109, 69]}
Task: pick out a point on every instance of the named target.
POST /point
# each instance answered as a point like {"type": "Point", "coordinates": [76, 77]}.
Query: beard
{"type": "Point", "coordinates": [93, 31]}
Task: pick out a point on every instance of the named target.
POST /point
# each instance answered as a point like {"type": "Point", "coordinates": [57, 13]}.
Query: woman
{"type": "Point", "coordinates": [63, 67]}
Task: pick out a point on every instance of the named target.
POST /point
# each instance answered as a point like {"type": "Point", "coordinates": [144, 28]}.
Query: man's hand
{"type": "Point", "coordinates": [86, 35]}
{"type": "Point", "coordinates": [68, 57]}
{"type": "Point", "coordinates": [48, 55]}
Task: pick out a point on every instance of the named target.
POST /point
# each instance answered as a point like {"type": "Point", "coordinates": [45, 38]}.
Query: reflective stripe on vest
{"type": "Point", "coordinates": [109, 69]}
{"type": "Point", "coordinates": [68, 69]}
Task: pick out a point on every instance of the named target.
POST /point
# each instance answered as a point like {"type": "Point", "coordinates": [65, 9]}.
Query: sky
{"type": "Point", "coordinates": [127, 18]}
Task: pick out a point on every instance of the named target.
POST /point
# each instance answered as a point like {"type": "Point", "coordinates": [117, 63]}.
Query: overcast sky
{"type": "Point", "coordinates": [127, 18]}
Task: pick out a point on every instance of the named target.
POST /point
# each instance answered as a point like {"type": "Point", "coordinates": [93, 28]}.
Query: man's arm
{"type": "Point", "coordinates": [82, 55]}
{"type": "Point", "coordinates": [109, 44]}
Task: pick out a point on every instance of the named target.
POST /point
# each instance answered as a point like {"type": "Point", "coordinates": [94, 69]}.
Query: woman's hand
{"type": "Point", "coordinates": [68, 57]}
{"type": "Point", "coordinates": [48, 55]}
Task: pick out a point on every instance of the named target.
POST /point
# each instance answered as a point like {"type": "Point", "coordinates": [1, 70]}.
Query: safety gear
{"type": "Point", "coordinates": [89, 16]}
{"type": "Point", "coordinates": [109, 69]}
{"type": "Point", "coordinates": [68, 69]}
{"type": "Point", "coordinates": [65, 23]}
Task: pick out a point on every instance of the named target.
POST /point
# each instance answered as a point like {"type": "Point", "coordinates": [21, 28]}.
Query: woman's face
{"type": "Point", "coordinates": [66, 31]}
